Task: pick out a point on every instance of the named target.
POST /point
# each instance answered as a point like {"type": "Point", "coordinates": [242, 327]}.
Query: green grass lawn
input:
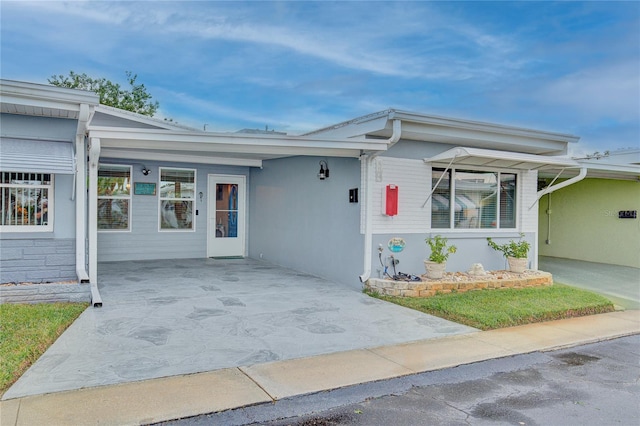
{"type": "Point", "coordinates": [26, 331]}
{"type": "Point", "coordinates": [489, 309]}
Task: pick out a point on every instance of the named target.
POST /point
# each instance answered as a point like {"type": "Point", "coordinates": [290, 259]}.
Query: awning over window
{"type": "Point", "coordinates": [36, 156]}
{"type": "Point", "coordinates": [502, 159]}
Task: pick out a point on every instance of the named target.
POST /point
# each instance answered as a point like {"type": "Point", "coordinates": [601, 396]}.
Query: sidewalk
{"type": "Point", "coordinates": [184, 396]}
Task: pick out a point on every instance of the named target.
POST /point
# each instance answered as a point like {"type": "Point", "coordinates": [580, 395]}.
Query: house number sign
{"type": "Point", "coordinates": [144, 188]}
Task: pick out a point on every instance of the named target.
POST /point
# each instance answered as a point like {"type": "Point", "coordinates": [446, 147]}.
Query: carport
{"type": "Point", "coordinates": [171, 317]}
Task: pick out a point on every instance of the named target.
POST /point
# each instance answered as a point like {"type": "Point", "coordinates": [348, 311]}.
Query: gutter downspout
{"type": "Point", "coordinates": [550, 189]}
{"type": "Point", "coordinates": [80, 185]}
{"type": "Point", "coordinates": [368, 191]}
{"type": "Point", "coordinates": [94, 157]}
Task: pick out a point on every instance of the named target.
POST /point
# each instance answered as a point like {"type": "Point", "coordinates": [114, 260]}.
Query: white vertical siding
{"type": "Point", "coordinates": [528, 190]}
{"type": "Point", "coordinates": [412, 178]}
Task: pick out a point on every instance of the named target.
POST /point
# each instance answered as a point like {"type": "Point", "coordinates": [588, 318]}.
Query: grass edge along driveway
{"type": "Point", "coordinates": [27, 331]}
{"type": "Point", "coordinates": [499, 308]}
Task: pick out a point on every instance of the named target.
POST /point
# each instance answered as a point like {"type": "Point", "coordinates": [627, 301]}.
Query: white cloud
{"type": "Point", "coordinates": [604, 91]}
{"type": "Point", "coordinates": [367, 43]}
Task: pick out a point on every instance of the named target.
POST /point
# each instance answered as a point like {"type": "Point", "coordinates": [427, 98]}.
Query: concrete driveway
{"type": "Point", "coordinates": [620, 284]}
{"type": "Point", "coordinates": [165, 318]}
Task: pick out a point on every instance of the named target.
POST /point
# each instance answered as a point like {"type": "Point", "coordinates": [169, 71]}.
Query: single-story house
{"type": "Point", "coordinates": [83, 183]}
{"type": "Point", "coordinates": [595, 220]}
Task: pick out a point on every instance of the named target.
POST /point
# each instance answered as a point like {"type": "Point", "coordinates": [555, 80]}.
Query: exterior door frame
{"type": "Point", "coordinates": [238, 246]}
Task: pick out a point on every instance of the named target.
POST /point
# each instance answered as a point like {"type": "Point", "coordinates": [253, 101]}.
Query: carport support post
{"type": "Point", "coordinates": [94, 158]}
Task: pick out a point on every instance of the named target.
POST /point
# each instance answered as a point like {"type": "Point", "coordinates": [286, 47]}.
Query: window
{"type": "Point", "coordinates": [114, 198]}
{"type": "Point", "coordinates": [481, 199]}
{"type": "Point", "coordinates": [177, 194]}
{"type": "Point", "coordinates": [27, 202]}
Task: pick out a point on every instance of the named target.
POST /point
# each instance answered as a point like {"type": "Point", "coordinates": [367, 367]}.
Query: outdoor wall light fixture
{"type": "Point", "coordinates": [324, 170]}
{"type": "Point", "coordinates": [145, 171]}
{"type": "Point", "coordinates": [201, 194]}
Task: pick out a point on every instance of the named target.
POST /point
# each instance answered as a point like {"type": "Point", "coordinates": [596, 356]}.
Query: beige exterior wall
{"type": "Point", "coordinates": [584, 223]}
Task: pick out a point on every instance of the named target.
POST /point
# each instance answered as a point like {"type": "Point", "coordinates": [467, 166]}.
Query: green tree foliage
{"type": "Point", "coordinates": [136, 99]}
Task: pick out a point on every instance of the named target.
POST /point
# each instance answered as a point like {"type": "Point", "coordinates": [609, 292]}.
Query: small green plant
{"type": "Point", "coordinates": [439, 250]}
{"type": "Point", "coordinates": [518, 249]}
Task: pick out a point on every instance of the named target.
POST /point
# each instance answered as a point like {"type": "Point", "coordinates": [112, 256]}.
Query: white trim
{"type": "Point", "coordinates": [94, 160]}
{"type": "Point", "coordinates": [120, 197]}
{"type": "Point", "coordinates": [140, 118]}
{"type": "Point", "coordinates": [45, 96]}
{"type": "Point", "coordinates": [198, 159]}
{"type": "Point", "coordinates": [250, 145]}
{"type": "Point", "coordinates": [242, 210]}
{"type": "Point", "coordinates": [193, 200]}
{"type": "Point", "coordinates": [499, 172]}
{"type": "Point", "coordinates": [50, 205]}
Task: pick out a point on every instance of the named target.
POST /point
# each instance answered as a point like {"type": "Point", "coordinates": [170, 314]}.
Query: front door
{"type": "Point", "coordinates": [226, 216]}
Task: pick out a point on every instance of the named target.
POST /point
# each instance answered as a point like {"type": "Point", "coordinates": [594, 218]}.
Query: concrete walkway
{"type": "Point", "coordinates": [189, 395]}
{"type": "Point", "coordinates": [620, 284]}
{"type": "Point", "coordinates": [168, 318]}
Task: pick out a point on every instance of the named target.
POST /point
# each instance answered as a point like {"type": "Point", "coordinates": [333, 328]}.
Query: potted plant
{"type": "Point", "coordinates": [516, 253]}
{"type": "Point", "coordinates": [440, 252]}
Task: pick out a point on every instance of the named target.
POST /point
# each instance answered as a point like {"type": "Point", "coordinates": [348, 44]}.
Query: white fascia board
{"type": "Point", "coordinates": [356, 127]}
{"type": "Point", "coordinates": [255, 151]}
{"type": "Point", "coordinates": [243, 143]}
{"type": "Point", "coordinates": [198, 159]}
{"type": "Point", "coordinates": [501, 159]}
{"type": "Point", "coordinates": [139, 118]}
{"type": "Point", "coordinates": [478, 126]}
{"type": "Point", "coordinates": [472, 138]}
{"type": "Point", "coordinates": [48, 95]}
{"type": "Point", "coordinates": [617, 168]}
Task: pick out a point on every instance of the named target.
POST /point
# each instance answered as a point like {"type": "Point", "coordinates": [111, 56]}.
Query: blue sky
{"type": "Point", "coordinates": [570, 67]}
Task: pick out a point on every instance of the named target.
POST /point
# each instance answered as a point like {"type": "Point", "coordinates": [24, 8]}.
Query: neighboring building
{"type": "Point", "coordinates": [134, 188]}
{"type": "Point", "coordinates": [596, 219]}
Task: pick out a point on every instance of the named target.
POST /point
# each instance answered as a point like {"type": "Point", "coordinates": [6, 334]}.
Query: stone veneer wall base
{"type": "Point", "coordinates": [430, 288]}
{"type": "Point", "coordinates": [45, 293]}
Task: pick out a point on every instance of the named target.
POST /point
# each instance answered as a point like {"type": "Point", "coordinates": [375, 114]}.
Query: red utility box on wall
{"type": "Point", "coordinates": [390, 200]}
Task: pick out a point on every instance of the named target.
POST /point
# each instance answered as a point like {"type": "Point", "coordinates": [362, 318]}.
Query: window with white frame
{"type": "Point", "coordinates": [114, 197]}
{"type": "Point", "coordinates": [27, 202]}
{"type": "Point", "coordinates": [176, 201]}
{"type": "Point", "coordinates": [473, 199]}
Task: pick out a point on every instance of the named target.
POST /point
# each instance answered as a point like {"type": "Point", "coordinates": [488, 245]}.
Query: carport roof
{"type": "Point", "coordinates": [221, 148]}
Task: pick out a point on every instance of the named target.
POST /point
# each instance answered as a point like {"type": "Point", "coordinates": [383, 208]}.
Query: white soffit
{"type": "Point", "coordinates": [36, 156]}
{"type": "Point", "coordinates": [500, 159]}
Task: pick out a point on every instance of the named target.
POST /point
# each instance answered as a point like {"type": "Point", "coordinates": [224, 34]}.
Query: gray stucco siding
{"type": "Point", "coordinates": [24, 126]}
{"type": "Point", "coordinates": [145, 241]}
{"type": "Point", "coordinates": [471, 248]}
{"type": "Point", "coordinates": [304, 223]}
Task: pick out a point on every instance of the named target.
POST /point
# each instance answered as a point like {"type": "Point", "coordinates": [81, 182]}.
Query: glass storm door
{"type": "Point", "coordinates": [226, 216]}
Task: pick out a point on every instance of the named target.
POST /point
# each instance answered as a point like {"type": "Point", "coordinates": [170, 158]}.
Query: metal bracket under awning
{"type": "Point", "coordinates": [477, 157]}
{"type": "Point", "coordinates": [551, 188]}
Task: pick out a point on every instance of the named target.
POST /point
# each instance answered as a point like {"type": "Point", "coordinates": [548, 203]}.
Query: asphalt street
{"type": "Point", "coordinates": [595, 384]}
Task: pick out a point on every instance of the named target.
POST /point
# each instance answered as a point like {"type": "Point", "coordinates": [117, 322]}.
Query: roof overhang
{"type": "Point", "coordinates": [221, 148]}
{"type": "Point", "coordinates": [475, 157]}
{"type": "Point", "coordinates": [17, 97]}
{"type": "Point", "coordinates": [601, 170]}
{"type": "Point", "coordinates": [451, 131]}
